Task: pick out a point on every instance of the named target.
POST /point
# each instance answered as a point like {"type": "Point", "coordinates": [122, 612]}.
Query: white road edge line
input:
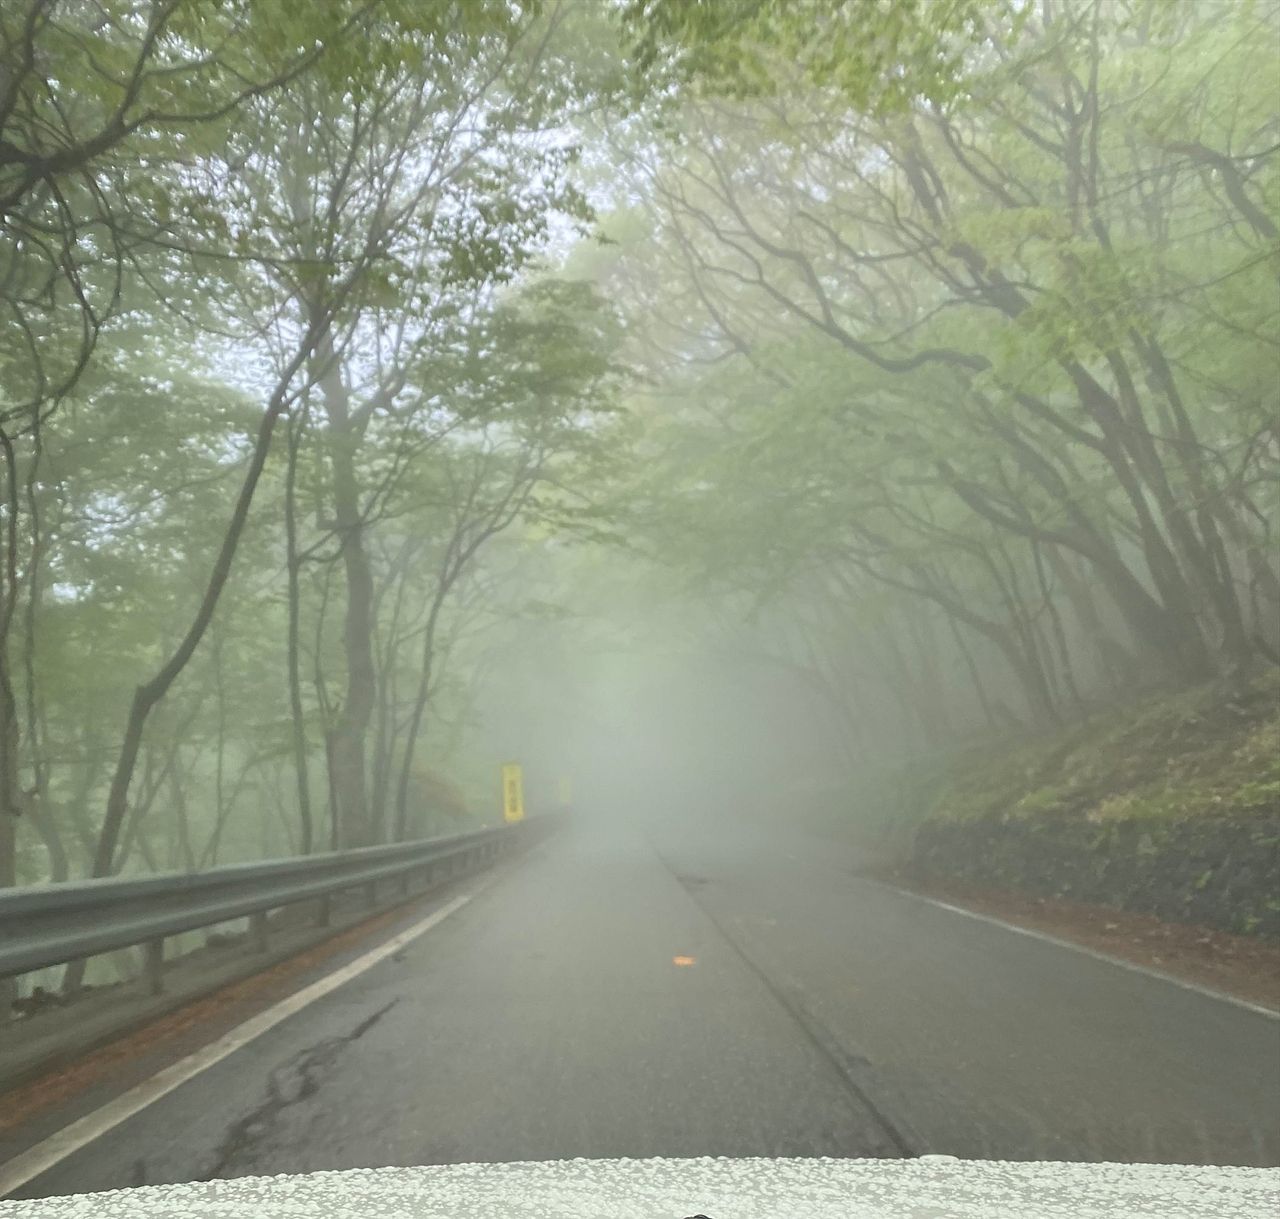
{"type": "Point", "coordinates": [29, 1164]}
{"type": "Point", "coordinates": [1206, 991]}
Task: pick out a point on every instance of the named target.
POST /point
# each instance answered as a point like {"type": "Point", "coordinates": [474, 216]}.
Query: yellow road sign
{"type": "Point", "coordinates": [512, 792]}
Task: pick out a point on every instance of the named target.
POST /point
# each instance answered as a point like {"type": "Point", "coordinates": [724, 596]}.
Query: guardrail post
{"type": "Point", "coordinates": [371, 893]}
{"type": "Point", "coordinates": [153, 965]}
{"type": "Point", "coordinates": [323, 911]}
{"type": "Point", "coordinates": [258, 930]}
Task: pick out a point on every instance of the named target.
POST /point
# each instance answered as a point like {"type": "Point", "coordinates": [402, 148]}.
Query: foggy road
{"type": "Point", "coordinates": [811, 1012]}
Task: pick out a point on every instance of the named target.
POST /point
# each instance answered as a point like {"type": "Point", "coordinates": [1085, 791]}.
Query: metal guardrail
{"type": "Point", "coordinates": [43, 925]}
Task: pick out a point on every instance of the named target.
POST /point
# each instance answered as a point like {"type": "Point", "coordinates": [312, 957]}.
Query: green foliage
{"type": "Point", "coordinates": [880, 54]}
{"type": "Point", "coordinates": [970, 348]}
{"type": "Point", "coordinates": [1201, 752]}
{"type": "Point", "coordinates": [925, 347]}
{"type": "Point", "coordinates": [306, 237]}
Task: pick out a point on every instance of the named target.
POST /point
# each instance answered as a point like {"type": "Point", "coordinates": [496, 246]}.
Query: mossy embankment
{"type": "Point", "coordinates": [1167, 806]}
{"type": "Point", "coordinates": [1170, 807]}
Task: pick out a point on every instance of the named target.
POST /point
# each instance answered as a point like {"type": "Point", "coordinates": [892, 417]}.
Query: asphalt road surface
{"type": "Point", "coordinates": [812, 1012]}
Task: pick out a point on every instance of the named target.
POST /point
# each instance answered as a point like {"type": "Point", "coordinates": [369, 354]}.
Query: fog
{"type": "Point", "coordinates": [738, 450]}
{"type": "Point", "coordinates": [818, 443]}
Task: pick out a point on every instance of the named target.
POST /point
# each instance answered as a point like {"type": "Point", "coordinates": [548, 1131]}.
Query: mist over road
{"type": "Point", "coordinates": [812, 1012]}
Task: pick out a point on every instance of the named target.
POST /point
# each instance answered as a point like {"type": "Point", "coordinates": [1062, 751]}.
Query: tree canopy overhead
{"type": "Point", "coordinates": [377, 374]}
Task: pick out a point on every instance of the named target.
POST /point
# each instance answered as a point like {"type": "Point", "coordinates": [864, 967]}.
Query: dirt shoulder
{"type": "Point", "coordinates": [1245, 967]}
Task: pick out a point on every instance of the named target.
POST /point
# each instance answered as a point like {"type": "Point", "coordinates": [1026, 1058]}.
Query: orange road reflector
{"type": "Point", "coordinates": [684, 960]}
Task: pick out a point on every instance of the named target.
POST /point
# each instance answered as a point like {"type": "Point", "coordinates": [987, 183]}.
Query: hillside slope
{"type": "Point", "coordinates": [1168, 807]}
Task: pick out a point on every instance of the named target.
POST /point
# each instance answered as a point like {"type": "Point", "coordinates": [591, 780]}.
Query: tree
{"type": "Point", "coordinates": [1001, 295]}
{"type": "Point", "coordinates": [102, 109]}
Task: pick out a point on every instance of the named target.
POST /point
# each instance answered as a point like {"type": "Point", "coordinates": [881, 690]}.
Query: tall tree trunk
{"type": "Point", "coordinates": [10, 795]}
{"type": "Point", "coordinates": [76, 809]}
{"type": "Point", "coordinates": [388, 661]}
{"type": "Point", "coordinates": [181, 854]}
{"type": "Point", "coordinates": [971, 667]}
{"type": "Point", "coordinates": [1125, 440]}
{"type": "Point", "coordinates": [10, 739]}
{"type": "Point", "coordinates": [350, 732]}
{"type": "Point", "coordinates": [1124, 444]}
{"type": "Point", "coordinates": [1166, 625]}
{"type": "Point", "coordinates": [293, 568]}
{"type": "Point", "coordinates": [1114, 664]}
{"type": "Point", "coordinates": [8, 876]}
{"type": "Point", "coordinates": [1025, 647]}
{"type": "Point", "coordinates": [418, 710]}
{"type": "Point", "coordinates": [150, 693]}
{"type": "Point", "coordinates": [1201, 557]}
{"type": "Point", "coordinates": [1209, 507]}
{"type": "Point", "coordinates": [1256, 557]}
{"type": "Point", "coordinates": [1056, 625]}
{"type": "Point", "coordinates": [50, 834]}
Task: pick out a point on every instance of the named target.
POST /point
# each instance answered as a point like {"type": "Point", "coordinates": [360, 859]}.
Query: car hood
{"type": "Point", "coordinates": [932, 1187]}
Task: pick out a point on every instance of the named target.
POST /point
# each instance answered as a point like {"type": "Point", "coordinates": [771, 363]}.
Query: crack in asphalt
{"type": "Point", "coordinates": [292, 1082]}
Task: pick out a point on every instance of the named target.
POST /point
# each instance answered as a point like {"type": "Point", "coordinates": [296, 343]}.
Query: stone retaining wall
{"type": "Point", "coordinates": [1216, 870]}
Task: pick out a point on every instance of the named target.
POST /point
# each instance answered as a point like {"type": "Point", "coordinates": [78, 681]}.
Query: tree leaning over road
{"type": "Point", "coordinates": [1024, 316]}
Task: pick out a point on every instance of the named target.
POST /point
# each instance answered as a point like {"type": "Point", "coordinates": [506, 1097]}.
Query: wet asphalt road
{"type": "Point", "coordinates": [823, 1014]}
